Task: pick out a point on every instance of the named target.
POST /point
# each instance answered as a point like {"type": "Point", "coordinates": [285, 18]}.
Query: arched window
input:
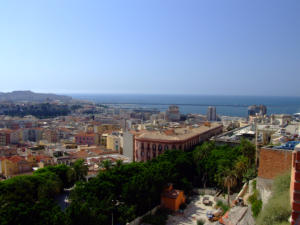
{"type": "Point", "coordinates": [159, 149]}
{"type": "Point", "coordinates": [142, 146]}
{"type": "Point", "coordinates": [166, 147]}
{"type": "Point", "coordinates": [154, 147]}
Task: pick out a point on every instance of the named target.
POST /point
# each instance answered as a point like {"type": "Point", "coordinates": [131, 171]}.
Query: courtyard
{"type": "Point", "coordinates": [194, 211]}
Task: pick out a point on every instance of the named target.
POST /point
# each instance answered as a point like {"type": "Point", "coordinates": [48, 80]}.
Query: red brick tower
{"type": "Point", "coordinates": [295, 187]}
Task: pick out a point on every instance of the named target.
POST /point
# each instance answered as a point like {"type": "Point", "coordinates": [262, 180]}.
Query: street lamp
{"type": "Point", "coordinates": [115, 203]}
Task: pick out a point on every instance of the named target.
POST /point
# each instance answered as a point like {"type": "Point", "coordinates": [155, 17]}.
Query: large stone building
{"type": "Point", "coordinates": [173, 114]}
{"type": "Point", "coordinates": [87, 139]}
{"type": "Point", "coordinates": [5, 137]}
{"type": "Point", "coordinates": [150, 144]}
{"type": "Point", "coordinates": [113, 142]}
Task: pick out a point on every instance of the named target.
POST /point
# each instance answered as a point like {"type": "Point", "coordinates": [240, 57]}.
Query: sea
{"type": "Point", "coordinates": [225, 105]}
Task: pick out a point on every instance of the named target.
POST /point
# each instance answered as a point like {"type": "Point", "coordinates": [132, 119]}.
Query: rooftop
{"type": "Point", "coordinates": [290, 145]}
{"type": "Point", "coordinates": [177, 133]}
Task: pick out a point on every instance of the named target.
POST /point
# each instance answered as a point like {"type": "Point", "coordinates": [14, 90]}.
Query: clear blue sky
{"type": "Point", "coordinates": [230, 47]}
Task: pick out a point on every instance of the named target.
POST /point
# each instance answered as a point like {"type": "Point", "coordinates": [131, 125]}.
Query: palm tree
{"type": "Point", "coordinates": [106, 164]}
{"type": "Point", "coordinates": [229, 181]}
{"type": "Point", "coordinates": [119, 162]}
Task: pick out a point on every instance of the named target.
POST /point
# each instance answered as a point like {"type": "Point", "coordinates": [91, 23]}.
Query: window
{"type": "Point", "coordinates": [166, 147]}
{"type": "Point", "coordinates": [159, 148]}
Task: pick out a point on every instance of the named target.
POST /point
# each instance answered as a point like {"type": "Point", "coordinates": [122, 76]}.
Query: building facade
{"type": "Point", "coordinates": [87, 139]}
{"type": "Point", "coordinates": [5, 137]}
{"type": "Point", "coordinates": [211, 113]}
{"type": "Point", "coordinates": [151, 144]}
{"type": "Point", "coordinates": [128, 146]}
{"type": "Point", "coordinates": [113, 142]}
{"type": "Point", "coordinates": [173, 114]}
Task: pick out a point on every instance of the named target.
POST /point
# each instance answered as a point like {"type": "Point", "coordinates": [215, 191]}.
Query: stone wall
{"type": "Point", "coordinates": [264, 187]}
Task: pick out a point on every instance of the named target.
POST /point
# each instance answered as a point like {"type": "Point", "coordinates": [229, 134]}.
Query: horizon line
{"type": "Point", "coordinates": [153, 94]}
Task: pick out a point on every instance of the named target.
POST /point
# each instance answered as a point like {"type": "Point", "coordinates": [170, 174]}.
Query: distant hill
{"type": "Point", "coordinates": [29, 96]}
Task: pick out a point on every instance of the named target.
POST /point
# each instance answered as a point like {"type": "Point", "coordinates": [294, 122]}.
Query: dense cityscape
{"type": "Point", "coordinates": [150, 112]}
{"type": "Point", "coordinates": [97, 156]}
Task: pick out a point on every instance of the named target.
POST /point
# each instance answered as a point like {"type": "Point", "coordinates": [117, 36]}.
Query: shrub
{"type": "Point", "coordinates": [278, 209]}
{"type": "Point", "coordinates": [200, 222]}
{"type": "Point", "coordinates": [256, 207]}
{"type": "Point", "coordinates": [223, 206]}
{"type": "Point", "coordinates": [254, 185]}
{"type": "Point", "coordinates": [252, 198]}
{"type": "Point", "coordinates": [255, 201]}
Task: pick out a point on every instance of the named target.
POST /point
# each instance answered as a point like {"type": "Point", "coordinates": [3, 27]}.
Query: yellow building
{"type": "Point", "coordinates": [14, 165]}
{"type": "Point", "coordinates": [113, 142]}
{"type": "Point", "coordinates": [104, 139]}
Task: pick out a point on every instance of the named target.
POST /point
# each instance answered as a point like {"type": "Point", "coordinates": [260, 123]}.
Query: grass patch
{"type": "Point", "coordinates": [222, 205]}
{"type": "Point", "coordinates": [278, 210]}
{"type": "Point", "coordinates": [256, 207]}
{"type": "Point", "coordinates": [255, 201]}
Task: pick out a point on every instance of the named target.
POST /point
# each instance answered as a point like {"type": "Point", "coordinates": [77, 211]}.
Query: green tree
{"type": "Point", "coordinates": [119, 163]}
{"type": "Point", "coordinates": [80, 170]}
{"type": "Point", "coordinates": [106, 164]}
{"type": "Point", "coordinates": [241, 165]}
{"type": "Point", "coordinates": [248, 150]}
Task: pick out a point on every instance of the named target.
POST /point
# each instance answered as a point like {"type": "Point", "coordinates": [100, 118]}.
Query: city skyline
{"type": "Point", "coordinates": [151, 47]}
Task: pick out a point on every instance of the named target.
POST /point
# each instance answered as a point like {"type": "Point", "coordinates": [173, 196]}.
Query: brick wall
{"type": "Point", "coordinates": [295, 187]}
{"type": "Point", "coordinates": [273, 162]}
